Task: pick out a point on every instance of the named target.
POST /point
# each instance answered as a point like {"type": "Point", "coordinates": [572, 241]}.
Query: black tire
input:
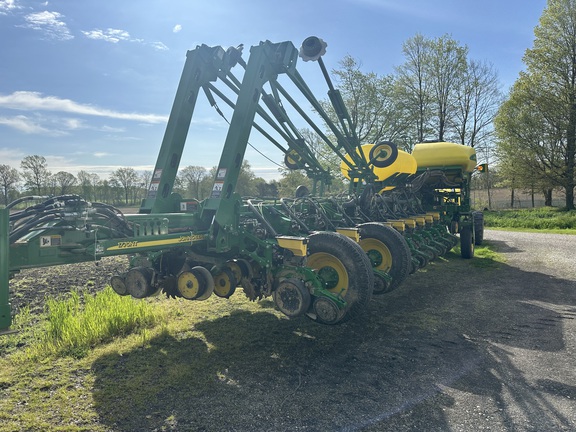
{"type": "Point", "coordinates": [467, 242]}
{"type": "Point", "coordinates": [388, 251]}
{"type": "Point", "coordinates": [330, 252]}
{"type": "Point", "coordinates": [301, 191]}
{"type": "Point", "coordinates": [478, 227]}
{"type": "Point", "coordinates": [293, 160]}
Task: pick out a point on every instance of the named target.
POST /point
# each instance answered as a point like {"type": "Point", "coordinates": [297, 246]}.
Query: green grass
{"type": "Point", "coordinates": [70, 377]}
{"type": "Point", "coordinates": [92, 369]}
{"type": "Point", "coordinates": [76, 325]}
{"type": "Point", "coordinates": [545, 218]}
{"type": "Point", "coordinates": [484, 256]}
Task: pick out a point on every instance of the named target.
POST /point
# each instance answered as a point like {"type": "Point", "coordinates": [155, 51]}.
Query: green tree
{"type": "Point", "coordinates": [413, 88]}
{"type": "Point", "coordinates": [87, 182]}
{"type": "Point", "coordinates": [246, 185]}
{"type": "Point", "coordinates": [548, 91]}
{"type": "Point", "coordinates": [369, 100]}
{"type": "Point", "coordinates": [290, 180]}
{"type": "Point", "coordinates": [9, 178]}
{"type": "Point", "coordinates": [266, 189]}
{"type": "Point", "coordinates": [477, 101]}
{"type": "Point", "coordinates": [447, 66]}
{"type": "Point", "coordinates": [191, 178]}
{"type": "Point", "coordinates": [127, 179]}
{"type": "Point", "coordinates": [35, 173]}
{"type": "Point", "coordinates": [63, 182]}
{"type": "Point", "coordinates": [528, 145]}
{"type": "Point", "coordinates": [552, 60]}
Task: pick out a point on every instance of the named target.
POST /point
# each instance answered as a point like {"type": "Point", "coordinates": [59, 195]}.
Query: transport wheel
{"type": "Point", "coordinates": [225, 282]}
{"type": "Point", "coordinates": [478, 227]}
{"type": "Point", "coordinates": [466, 242]}
{"type": "Point", "coordinates": [383, 154]}
{"type": "Point", "coordinates": [345, 270]}
{"type": "Point", "coordinates": [388, 252]}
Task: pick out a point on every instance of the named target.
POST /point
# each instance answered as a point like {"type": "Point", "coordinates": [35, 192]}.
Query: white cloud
{"type": "Point", "coordinates": [108, 35]}
{"type": "Point", "coordinates": [159, 46]}
{"type": "Point", "coordinates": [116, 35]}
{"type": "Point", "coordinates": [26, 100]}
{"type": "Point", "coordinates": [28, 125]}
{"type": "Point", "coordinates": [50, 24]}
{"type": "Point", "coordinates": [7, 6]}
{"type": "Point", "coordinates": [11, 156]}
{"type": "Point", "coordinates": [177, 28]}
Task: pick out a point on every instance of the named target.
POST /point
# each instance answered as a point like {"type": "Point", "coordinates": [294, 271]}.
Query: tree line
{"type": "Point", "coordinates": [536, 125]}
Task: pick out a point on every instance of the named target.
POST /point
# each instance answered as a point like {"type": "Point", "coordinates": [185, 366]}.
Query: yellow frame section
{"type": "Point", "coordinates": [297, 245]}
{"type": "Point", "coordinates": [350, 233]}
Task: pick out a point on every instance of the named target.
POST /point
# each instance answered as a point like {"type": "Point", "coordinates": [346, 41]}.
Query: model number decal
{"type": "Point", "coordinates": [190, 238]}
{"type": "Point", "coordinates": [127, 244]}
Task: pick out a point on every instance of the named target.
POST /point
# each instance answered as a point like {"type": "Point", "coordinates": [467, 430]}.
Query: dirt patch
{"type": "Point", "coordinates": [31, 287]}
{"type": "Point", "coordinates": [460, 346]}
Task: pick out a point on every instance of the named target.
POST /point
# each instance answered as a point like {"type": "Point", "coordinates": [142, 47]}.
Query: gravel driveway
{"type": "Point", "coordinates": [519, 373]}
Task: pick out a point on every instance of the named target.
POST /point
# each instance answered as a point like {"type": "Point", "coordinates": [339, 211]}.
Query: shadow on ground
{"type": "Point", "coordinates": [450, 334]}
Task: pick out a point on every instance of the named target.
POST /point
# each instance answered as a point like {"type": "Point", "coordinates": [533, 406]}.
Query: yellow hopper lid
{"type": "Point", "coordinates": [444, 154]}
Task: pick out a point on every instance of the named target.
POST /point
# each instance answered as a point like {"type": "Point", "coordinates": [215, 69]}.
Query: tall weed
{"type": "Point", "coordinates": [75, 326]}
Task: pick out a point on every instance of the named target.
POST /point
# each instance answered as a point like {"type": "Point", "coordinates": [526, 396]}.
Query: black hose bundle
{"type": "Point", "coordinates": [68, 212]}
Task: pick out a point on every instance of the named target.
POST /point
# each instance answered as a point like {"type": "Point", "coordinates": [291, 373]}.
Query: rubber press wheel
{"type": "Point", "coordinates": [388, 251]}
{"type": "Point", "coordinates": [345, 271]}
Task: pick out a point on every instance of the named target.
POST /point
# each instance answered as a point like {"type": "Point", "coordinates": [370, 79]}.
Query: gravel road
{"type": "Point", "coordinates": [520, 370]}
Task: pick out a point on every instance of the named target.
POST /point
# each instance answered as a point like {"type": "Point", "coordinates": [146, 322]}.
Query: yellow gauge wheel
{"type": "Point", "coordinates": [240, 268]}
{"type": "Point", "coordinates": [225, 283]}
{"type": "Point", "coordinates": [331, 271]}
{"type": "Point", "coordinates": [189, 286]}
{"type": "Point", "coordinates": [378, 253]}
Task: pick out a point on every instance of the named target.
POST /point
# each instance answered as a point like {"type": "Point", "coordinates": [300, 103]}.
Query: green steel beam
{"type": "Point", "coordinates": [202, 66]}
{"type": "Point", "coordinates": [5, 314]}
{"type": "Point", "coordinates": [266, 61]}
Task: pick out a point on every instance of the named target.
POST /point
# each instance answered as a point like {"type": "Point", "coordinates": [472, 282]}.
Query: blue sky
{"type": "Point", "coordinates": [89, 84]}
